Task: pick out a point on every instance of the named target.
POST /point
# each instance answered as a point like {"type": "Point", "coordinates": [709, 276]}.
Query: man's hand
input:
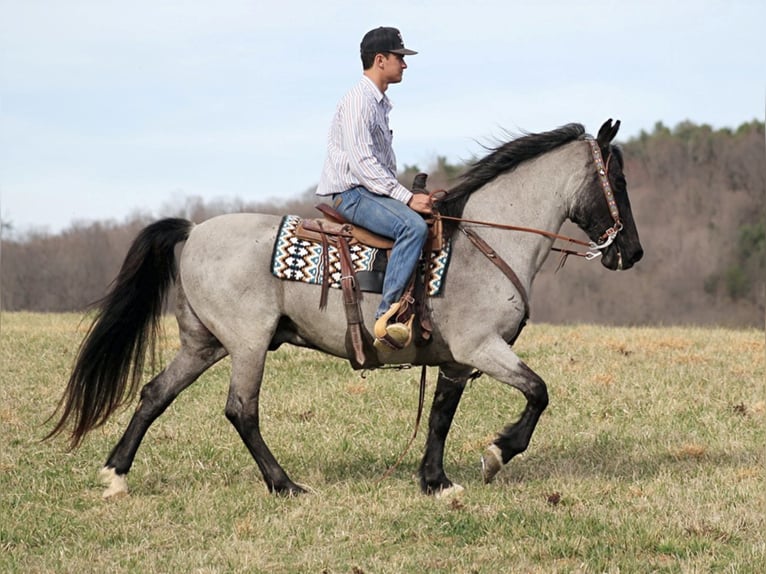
{"type": "Point", "coordinates": [421, 203]}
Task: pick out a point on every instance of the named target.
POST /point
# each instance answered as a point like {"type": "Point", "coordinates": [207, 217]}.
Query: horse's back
{"type": "Point", "coordinates": [231, 239]}
{"type": "Point", "coordinates": [238, 223]}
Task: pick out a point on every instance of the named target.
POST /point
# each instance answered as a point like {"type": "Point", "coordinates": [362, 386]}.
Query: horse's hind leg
{"type": "Point", "coordinates": [449, 390]}
{"type": "Point", "coordinates": [242, 409]}
{"type": "Point", "coordinates": [248, 359]}
{"type": "Point", "coordinates": [199, 351]}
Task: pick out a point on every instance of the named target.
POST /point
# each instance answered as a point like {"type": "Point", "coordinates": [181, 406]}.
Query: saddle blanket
{"type": "Point", "coordinates": [297, 259]}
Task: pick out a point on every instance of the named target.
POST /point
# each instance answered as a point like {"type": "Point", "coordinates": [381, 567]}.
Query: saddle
{"type": "Point", "coordinates": [334, 230]}
{"type": "Point", "coordinates": [333, 225]}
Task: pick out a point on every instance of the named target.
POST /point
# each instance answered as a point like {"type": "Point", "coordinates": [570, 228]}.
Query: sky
{"type": "Point", "coordinates": [111, 108]}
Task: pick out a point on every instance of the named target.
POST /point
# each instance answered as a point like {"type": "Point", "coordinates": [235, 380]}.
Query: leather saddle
{"type": "Point", "coordinates": [334, 229]}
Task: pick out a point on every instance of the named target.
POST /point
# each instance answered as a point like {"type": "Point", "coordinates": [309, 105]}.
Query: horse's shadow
{"type": "Point", "coordinates": [591, 460]}
{"type": "Point", "coordinates": [587, 459]}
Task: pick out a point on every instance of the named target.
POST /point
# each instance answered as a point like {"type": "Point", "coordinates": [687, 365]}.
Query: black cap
{"type": "Point", "coordinates": [382, 40]}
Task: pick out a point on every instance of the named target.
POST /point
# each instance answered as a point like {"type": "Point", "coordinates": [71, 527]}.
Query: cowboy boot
{"type": "Point", "coordinates": [394, 336]}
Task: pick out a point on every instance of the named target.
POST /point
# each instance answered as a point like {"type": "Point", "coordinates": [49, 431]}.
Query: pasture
{"type": "Point", "coordinates": [650, 458]}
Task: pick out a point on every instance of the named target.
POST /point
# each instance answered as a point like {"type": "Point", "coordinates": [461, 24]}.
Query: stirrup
{"type": "Point", "coordinates": [395, 336]}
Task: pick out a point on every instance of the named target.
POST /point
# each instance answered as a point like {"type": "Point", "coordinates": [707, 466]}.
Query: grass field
{"type": "Point", "coordinates": [650, 458]}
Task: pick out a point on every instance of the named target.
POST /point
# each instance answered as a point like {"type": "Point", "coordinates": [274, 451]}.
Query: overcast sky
{"type": "Point", "coordinates": [109, 107]}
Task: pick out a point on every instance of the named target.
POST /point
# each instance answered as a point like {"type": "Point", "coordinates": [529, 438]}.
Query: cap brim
{"type": "Point", "coordinates": [403, 52]}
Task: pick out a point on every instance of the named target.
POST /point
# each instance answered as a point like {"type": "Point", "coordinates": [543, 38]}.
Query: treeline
{"type": "Point", "coordinates": [699, 200]}
{"type": "Point", "coordinates": [70, 270]}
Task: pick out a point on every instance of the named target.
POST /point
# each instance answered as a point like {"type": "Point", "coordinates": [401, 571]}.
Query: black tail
{"type": "Point", "coordinates": [110, 360]}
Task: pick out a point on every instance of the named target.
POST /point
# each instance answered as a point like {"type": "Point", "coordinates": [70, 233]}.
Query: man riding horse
{"type": "Point", "coordinates": [359, 174]}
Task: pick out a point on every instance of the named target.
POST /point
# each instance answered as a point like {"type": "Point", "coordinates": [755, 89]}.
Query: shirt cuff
{"type": "Point", "coordinates": [402, 194]}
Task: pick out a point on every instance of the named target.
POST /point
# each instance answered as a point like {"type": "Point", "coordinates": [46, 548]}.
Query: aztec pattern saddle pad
{"type": "Point", "coordinates": [297, 259]}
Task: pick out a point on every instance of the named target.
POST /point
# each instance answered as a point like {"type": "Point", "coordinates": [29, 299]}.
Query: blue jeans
{"type": "Point", "coordinates": [390, 218]}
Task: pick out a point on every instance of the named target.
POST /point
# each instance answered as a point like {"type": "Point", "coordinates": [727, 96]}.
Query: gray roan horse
{"type": "Point", "coordinates": [229, 303]}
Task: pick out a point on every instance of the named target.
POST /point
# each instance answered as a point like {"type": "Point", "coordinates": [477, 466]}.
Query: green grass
{"type": "Point", "coordinates": [650, 458]}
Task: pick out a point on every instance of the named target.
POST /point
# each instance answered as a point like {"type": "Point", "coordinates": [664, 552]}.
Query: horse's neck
{"type": "Point", "coordinates": [535, 195]}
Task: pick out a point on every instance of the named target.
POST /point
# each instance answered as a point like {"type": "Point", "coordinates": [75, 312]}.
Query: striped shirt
{"type": "Point", "coordinates": [359, 148]}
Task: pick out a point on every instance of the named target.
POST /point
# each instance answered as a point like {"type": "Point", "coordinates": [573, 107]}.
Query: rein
{"type": "Point", "coordinates": [421, 403]}
{"type": "Point", "coordinates": [589, 244]}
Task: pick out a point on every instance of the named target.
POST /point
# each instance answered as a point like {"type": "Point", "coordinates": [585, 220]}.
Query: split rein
{"type": "Point", "coordinates": [595, 248]}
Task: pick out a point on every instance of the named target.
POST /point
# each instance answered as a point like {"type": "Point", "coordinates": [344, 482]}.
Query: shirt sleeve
{"type": "Point", "coordinates": [358, 125]}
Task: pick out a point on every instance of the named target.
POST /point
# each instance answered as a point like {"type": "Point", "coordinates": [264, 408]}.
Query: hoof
{"type": "Point", "coordinates": [117, 484]}
{"type": "Point", "coordinates": [491, 463]}
{"type": "Point", "coordinates": [449, 493]}
{"type": "Point", "coordinates": [290, 491]}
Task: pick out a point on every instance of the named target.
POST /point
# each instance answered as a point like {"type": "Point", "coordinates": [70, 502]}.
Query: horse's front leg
{"type": "Point", "coordinates": [449, 390]}
{"type": "Point", "coordinates": [496, 359]}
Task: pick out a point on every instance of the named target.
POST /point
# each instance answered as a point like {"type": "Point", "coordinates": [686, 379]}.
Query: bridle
{"type": "Point", "coordinates": [595, 248]}
{"type": "Point", "coordinates": [602, 169]}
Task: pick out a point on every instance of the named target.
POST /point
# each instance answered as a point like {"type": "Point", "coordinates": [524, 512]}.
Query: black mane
{"type": "Point", "coordinates": [503, 158]}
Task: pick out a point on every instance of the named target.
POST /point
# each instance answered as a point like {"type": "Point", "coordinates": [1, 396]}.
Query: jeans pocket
{"type": "Point", "coordinates": [346, 204]}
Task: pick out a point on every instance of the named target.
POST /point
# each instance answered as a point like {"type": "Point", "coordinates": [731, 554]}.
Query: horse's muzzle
{"type": "Point", "coordinates": [619, 258]}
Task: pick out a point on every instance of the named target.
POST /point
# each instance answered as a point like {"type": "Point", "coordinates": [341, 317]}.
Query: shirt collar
{"type": "Point", "coordinates": [380, 97]}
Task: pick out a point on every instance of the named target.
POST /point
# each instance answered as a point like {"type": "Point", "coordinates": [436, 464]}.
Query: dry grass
{"type": "Point", "coordinates": [650, 458]}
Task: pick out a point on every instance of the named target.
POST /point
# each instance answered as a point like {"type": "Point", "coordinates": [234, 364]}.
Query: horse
{"type": "Point", "coordinates": [228, 303]}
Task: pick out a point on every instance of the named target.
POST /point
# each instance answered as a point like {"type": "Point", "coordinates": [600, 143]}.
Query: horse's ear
{"type": "Point", "coordinates": [607, 132]}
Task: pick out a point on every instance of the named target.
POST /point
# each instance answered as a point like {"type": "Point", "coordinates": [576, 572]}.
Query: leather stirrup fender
{"type": "Point", "coordinates": [359, 344]}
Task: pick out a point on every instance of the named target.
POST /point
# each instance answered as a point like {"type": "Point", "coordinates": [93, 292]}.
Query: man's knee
{"type": "Point", "coordinates": [419, 228]}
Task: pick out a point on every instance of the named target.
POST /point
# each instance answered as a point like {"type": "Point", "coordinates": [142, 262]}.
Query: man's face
{"type": "Point", "coordinates": [393, 67]}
